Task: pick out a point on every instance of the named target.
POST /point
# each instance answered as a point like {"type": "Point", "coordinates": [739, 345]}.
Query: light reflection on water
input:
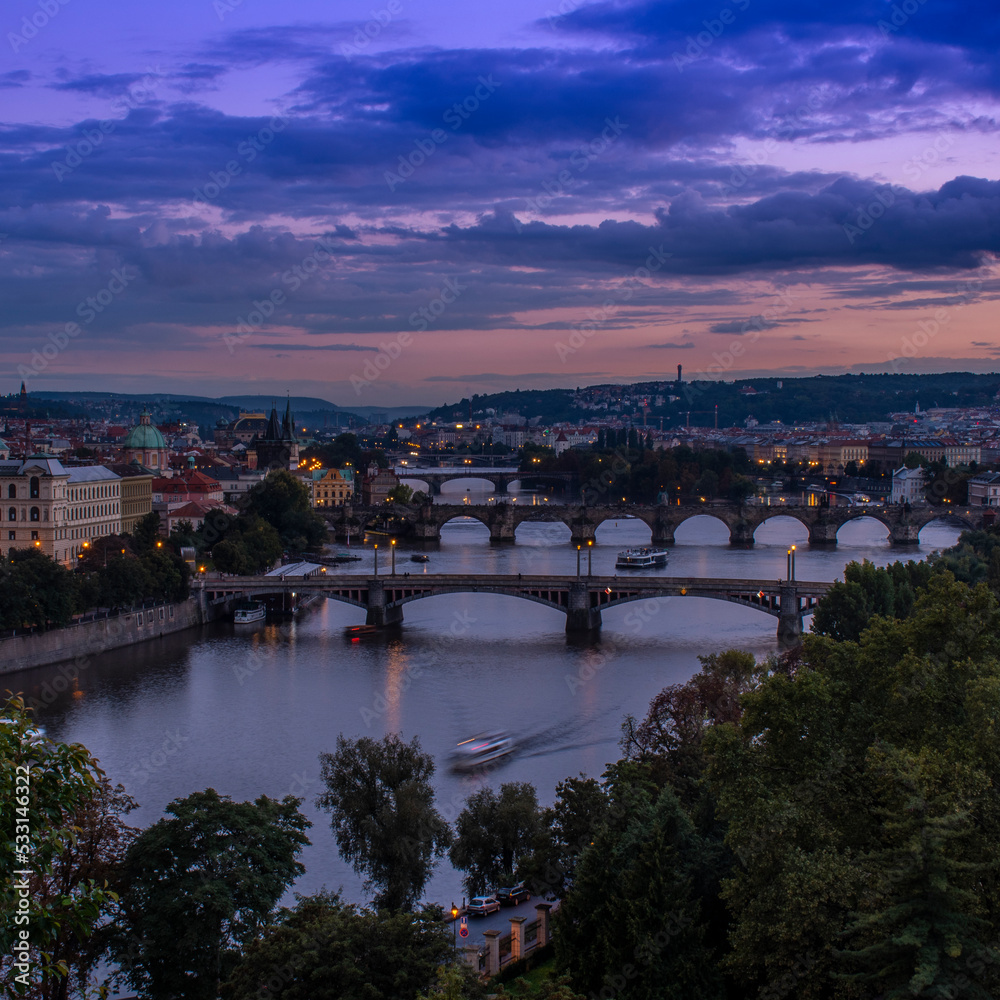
{"type": "Point", "coordinates": [247, 712]}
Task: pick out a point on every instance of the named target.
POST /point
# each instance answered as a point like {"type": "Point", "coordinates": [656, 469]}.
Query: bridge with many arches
{"type": "Point", "coordinates": [424, 522]}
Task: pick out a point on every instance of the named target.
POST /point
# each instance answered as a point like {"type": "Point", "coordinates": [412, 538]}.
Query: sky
{"type": "Point", "coordinates": [395, 203]}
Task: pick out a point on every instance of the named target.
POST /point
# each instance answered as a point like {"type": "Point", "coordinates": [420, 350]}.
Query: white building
{"type": "Point", "coordinates": [908, 486]}
{"type": "Point", "coordinates": [984, 490]}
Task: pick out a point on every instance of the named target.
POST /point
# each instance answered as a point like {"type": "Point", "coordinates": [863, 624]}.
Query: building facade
{"type": "Point", "coordinates": [984, 490]}
{"type": "Point", "coordinates": [376, 486]}
{"type": "Point", "coordinates": [331, 487]}
{"type": "Point", "coordinates": [908, 486]}
{"type": "Point", "coordinates": [136, 493]}
{"type": "Point", "coordinates": [93, 507]}
{"type": "Point", "coordinates": [35, 497]}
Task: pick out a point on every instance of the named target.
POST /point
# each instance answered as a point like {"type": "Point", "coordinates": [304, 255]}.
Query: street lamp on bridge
{"type": "Point", "coordinates": [590, 552]}
{"type": "Point", "coordinates": [790, 564]}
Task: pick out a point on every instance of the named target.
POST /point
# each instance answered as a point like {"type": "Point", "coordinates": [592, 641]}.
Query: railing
{"type": "Point", "coordinates": [93, 616]}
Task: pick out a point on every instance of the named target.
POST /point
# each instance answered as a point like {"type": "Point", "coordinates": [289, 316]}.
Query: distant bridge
{"type": "Point", "coordinates": [500, 479]}
{"type": "Point", "coordinates": [581, 598]}
{"type": "Point", "coordinates": [424, 522]}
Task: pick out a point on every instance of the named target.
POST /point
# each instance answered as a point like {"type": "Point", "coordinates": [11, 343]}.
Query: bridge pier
{"type": "Point", "coordinates": [580, 616]}
{"type": "Point", "coordinates": [427, 531]}
{"type": "Point", "coordinates": [823, 533]}
{"type": "Point", "coordinates": [663, 533]}
{"type": "Point", "coordinates": [741, 535]}
{"type": "Point", "coordinates": [378, 614]}
{"type": "Point", "coordinates": [904, 534]}
{"type": "Point", "coordinates": [790, 618]}
{"type": "Point", "coordinates": [581, 534]}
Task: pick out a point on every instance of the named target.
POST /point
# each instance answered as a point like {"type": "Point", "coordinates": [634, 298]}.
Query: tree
{"type": "Point", "coordinates": [382, 813]}
{"type": "Point", "coordinates": [741, 488]}
{"type": "Point", "coordinates": [400, 494]}
{"type": "Point", "coordinates": [92, 857]}
{"type": "Point", "coordinates": [633, 922]}
{"type": "Point", "coordinates": [146, 532]}
{"type": "Point", "coordinates": [814, 782]}
{"type": "Point", "coordinates": [493, 832]}
{"type": "Point", "coordinates": [201, 884]}
{"type": "Point", "coordinates": [564, 830]}
{"type": "Point", "coordinates": [324, 949]}
{"type": "Point", "coordinates": [283, 502]}
{"type": "Point", "coordinates": [45, 787]}
{"type": "Point", "coordinates": [36, 591]}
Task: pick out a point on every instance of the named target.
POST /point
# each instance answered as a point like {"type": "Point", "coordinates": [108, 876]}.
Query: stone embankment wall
{"type": "Point", "coordinates": [91, 637]}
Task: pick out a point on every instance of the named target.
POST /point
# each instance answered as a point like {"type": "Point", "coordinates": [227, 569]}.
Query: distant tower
{"type": "Point", "coordinates": [679, 379]}
{"type": "Point", "coordinates": [23, 400]}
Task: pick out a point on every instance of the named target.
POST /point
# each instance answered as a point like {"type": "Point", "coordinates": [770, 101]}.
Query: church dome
{"type": "Point", "coordinates": [144, 436]}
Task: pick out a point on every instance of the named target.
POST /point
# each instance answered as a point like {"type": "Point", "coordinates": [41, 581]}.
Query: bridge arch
{"type": "Point", "coordinates": [477, 481]}
{"type": "Point", "coordinates": [772, 526]}
{"type": "Point", "coordinates": [855, 525]}
{"type": "Point", "coordinates": [954, 522]}
{"type": "Point", "coordinates": [719, 532]}
{"type": "Point", "coordinates": [415, 483]}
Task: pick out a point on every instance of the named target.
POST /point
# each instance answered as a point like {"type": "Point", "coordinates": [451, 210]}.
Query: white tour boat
{"type": "Point", "coordinates": [641, 558]}
{"type": "Point", "coordinates": [255, 612]}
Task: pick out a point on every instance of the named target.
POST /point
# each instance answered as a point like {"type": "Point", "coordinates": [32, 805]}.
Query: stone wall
{"type": "Point", "coordinates": [89, 638]}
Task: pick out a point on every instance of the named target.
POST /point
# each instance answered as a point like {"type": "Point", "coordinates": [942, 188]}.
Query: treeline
{"type": "Point", "coordinates": [629, 469]}
{"type": "Point", "coordinates": [113, 572]}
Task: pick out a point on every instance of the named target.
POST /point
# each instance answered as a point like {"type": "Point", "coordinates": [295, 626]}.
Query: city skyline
{"type": "Point", "coordinates": [406, 206]}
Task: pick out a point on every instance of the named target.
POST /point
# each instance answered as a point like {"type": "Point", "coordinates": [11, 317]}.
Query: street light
{"type": "Point", "coordinates": [790, 563]}
{"type": "Point", "coordinates": [454, 923]}
{"type": "Point", "coordinates": [376, 559]}
{"type": "Point", "coordinates": [392, 551]}
{"type": "Point", "coordinates": [578, 561]}
{"type": "Point", "coordinates": [590, 553]}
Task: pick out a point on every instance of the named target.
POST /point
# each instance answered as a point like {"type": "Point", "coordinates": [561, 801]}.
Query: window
{"type": "Point", "coordinates": [11, 513]}
{"type": "Point", "coordinates": [35, 514]}
{"type": "Point", "coordinates": [11, 535]}
{"type": "Point", "coordinates": [34, 536]}
{"type": "Point", "coordinates": [12, 492]}
{"type": "Point", "coordinates": [33, 488]}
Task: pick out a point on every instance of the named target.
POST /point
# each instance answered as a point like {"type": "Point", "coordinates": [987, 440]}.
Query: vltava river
{"type": "Point", "coordinates": [247, 711]}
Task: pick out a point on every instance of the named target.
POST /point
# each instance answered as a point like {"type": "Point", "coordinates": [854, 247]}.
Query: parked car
{"type": "Point", "coordinates": [514, 895]}
{"type": "Point", "coordinates": [483, 905]}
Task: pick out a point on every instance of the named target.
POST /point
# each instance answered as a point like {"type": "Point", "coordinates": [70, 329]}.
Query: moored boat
{"type": "Point", "coordinates": [255, 611]}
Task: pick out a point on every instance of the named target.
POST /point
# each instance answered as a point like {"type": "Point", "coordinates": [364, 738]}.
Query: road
{"type": "Point", "coordinates": [499, 921]}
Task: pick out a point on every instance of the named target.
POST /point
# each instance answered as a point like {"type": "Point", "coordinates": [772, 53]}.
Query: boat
{"type": "Point", "coordinates": [419, 557]}
{"type": "Point", "coordinates": [346, 557]}
{"type": "Point", "coordinates": [641, 558]}
{"type": "Point", "coordinates": [256, 611]}
{"type": "Point", "coordinates": [358, 631]}
{"type": "Point", "coordinates": [479, 750]}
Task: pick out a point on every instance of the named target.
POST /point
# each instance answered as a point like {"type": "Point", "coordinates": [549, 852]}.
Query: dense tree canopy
{"type": "Point", "coordinates": [382, 813]}
{"type": "Point", "coordinates": [199, 885]}
{"type": "Point", "coordinates": [324, 949]}
{"type": "Point", "coordinates": [283, 502]}
{"type": "Point", "coordinates": [492, 833]}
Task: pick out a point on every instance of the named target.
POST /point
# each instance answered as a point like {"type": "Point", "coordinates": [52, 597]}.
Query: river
{"type": "Point", "coordinates": [247, 709]}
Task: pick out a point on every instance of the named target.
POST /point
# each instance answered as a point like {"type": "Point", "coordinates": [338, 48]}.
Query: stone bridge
{"type": "Point", "coordinates": [581, 598]}
{"type": "Point", "coordinates": [501, 479]}
{"type": "Point", "coordinates": [424, 523]}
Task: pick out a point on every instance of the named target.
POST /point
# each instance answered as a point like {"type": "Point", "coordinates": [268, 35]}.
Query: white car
{"type": "Point", "coordinates": [483, 905]}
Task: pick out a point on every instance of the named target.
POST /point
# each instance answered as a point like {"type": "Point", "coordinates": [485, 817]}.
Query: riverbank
{"type": "Point", "coordinates": [88, 638]}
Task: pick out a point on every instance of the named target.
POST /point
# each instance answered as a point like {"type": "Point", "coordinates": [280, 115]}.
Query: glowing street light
{"type": "Point", "coordinates": [392, 551]}
{"type": "Point", "coordinates": [590, 553]}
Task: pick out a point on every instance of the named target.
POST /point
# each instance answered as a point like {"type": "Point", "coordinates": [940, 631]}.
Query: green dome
{"type": "Point", "coordinates": [144, 435]}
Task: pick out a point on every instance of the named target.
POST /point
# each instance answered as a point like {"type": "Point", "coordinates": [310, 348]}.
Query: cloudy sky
{"type": "Point", "coordinates": [392, 201]}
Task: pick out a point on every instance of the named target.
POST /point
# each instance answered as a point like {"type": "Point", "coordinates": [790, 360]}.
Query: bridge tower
{"type": "Point", "coordinates": [580, 616]}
